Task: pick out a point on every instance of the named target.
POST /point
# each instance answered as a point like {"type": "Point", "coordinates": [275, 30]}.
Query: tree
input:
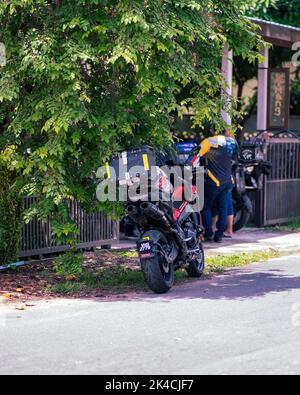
{"type": "Point", "coordinates": [280, 11]}
{"type": "Point", "coordinates": [85, 79]}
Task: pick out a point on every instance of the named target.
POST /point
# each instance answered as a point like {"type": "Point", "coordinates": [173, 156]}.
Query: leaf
{"type": "Point", "coordinates": [21, 308]}
{"type": "Point", "coordinates": [71, 278]}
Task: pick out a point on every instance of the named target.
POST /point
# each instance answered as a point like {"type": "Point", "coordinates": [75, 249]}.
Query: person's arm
{"type": "Point", "coordinates": [205, 148]}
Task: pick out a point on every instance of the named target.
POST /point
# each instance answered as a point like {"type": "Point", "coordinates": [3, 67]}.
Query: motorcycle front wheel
{"type": "Point", "coordinates": [159, 274]}
{"type": "Point", "coordinates": [241, 219]}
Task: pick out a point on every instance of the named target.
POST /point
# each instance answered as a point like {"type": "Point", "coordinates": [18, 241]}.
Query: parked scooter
{"type": "Point", "coordinates": [171, 234]}
{"type": "Point", "coordinates": [248, 177]}
{"type": "Point", "coordinates": [252, 168]}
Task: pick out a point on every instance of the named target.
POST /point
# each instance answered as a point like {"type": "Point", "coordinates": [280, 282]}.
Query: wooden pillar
{"type": "Point", "coordinates": [227, 70]}
{"type": "Point", "coordinates": [263, 81]}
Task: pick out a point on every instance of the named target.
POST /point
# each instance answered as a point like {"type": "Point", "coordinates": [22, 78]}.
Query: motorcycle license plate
{"type": "Point", "coordinates": [146, 249]}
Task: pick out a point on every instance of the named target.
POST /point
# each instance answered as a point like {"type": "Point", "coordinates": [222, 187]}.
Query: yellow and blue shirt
{"type": "Point", "coordinates": [218, 153]}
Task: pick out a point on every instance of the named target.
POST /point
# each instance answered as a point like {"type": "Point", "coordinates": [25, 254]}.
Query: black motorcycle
{"type": "Point", "coordinates": [171, 232]}
{"type": "Point", "coordinates": [248, 177]}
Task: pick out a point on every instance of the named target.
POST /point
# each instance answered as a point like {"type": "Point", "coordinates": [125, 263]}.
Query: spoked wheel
{"type": "Point", "coordinates": [197, 264]}
{"type": "Point", "coordinates": [158, 272]}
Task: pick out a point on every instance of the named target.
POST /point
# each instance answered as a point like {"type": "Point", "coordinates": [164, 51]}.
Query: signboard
{"type": "Point", "coordinates": [279, 99]}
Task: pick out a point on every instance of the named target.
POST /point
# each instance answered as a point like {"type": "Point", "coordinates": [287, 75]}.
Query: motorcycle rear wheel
{"type": "Point", "coordinates": [158, 273]}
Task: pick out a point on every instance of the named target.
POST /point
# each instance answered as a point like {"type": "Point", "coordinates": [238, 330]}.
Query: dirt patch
{"type": "Point", "coordinates": [106, 274]}
{"type": "Point", "coordinates": [37, 280]}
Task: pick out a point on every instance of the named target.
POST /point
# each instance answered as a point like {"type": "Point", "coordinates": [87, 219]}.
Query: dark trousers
{"type": "Point", "coordinates": [215, 196]}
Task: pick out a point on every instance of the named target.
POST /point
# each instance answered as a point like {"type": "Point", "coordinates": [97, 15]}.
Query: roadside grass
{"type": "Point", "coordinates": [117, 279]}
{"type": "Point", "coordinates": [292, 226]}
{"type": "Point", "coordinates": [219, 264]}
{"type": "Point", "coordinates": [125, 254]}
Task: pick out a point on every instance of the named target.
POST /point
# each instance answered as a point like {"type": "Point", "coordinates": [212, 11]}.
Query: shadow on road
{"type": "Point", "coordinates": [240, 284]}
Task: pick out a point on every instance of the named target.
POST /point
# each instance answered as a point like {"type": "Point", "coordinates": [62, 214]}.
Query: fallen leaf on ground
{"type": "Point", "coordinates": [19, 290]}
{"type": "Point", "coordinates": [71, 278]}
{"type": "Point", "coordinates": [7, 296]}
{"type": "Point", "coordinates": [20, 308]}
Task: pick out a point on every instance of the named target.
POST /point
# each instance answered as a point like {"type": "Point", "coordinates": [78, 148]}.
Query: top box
{"type": "Point", "coordinates": [132, 164]}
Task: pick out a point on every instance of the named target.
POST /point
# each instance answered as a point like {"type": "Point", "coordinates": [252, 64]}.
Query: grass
{"type": "Point", "coordinates": [219, 264]}
{"type": "Point", "coordinates": [294, 225]}
{"type": "Point", "coordinates": [118, 279]}
{"type": "Point", "coordinates": [125, 254]}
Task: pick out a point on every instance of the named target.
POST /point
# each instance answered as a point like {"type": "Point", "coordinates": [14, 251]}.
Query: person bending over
{"type": "Point", "coordinates": [217, 152]}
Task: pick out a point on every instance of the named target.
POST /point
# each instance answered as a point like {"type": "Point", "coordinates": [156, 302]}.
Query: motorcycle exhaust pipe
{"type": "Point", "coordinates": [152, 211]}
{"type": "Point", "coordinates": [134, 213]}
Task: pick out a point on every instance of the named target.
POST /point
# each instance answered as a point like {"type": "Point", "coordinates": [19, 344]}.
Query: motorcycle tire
{"type": "Point", "coordinates": [159, 275]}
{"type": "Point", "coordinates": [241, 219]}
{"type": "Point", "coordinates": [196, 267]}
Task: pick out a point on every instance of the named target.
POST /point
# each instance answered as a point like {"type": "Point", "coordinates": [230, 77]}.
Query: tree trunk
{"type": "Point", "coordinates": [11, 209]}
{"type": "Point", "coordinates": [240, 94]}
{"type": "Point", "coordinates": [241, 85]}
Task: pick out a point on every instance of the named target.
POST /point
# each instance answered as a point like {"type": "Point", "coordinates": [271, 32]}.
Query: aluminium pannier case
{"type": "Point", "coordinates": [131, 164]}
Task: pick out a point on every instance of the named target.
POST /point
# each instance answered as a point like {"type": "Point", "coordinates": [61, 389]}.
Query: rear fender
{"type": "Point", "coordinates": [148, 246]}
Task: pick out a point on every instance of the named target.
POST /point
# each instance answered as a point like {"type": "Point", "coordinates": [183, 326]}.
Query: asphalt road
{"type": "Point", "coordinates": [246, 322]}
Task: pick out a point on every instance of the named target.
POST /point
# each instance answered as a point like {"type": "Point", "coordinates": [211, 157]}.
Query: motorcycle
{"type": "Point", "coordinates": [248, 177]}
{"type": "Point", "coordinates": [170, 229]}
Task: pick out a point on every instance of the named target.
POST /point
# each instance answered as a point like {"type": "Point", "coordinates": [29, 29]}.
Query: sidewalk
{"type": "Point", "coordinates": [246, 241]}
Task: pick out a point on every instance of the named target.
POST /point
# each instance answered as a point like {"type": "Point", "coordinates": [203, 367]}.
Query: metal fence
{"type": "Point", "coordinates": [95, 230]}
{"type": "Point", "coordinates": [281, 197]}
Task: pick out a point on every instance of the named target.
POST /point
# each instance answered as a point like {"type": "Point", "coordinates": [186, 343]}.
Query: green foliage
{"type": "Point", "coordinates": [86, 79]}
{"type": "Point", "coordinates": [260, 8]}
{"type": "Point", "coordinates": [69, 264]}
{"type": "Point", "coordinates": [10, 217]}
{"type": "Point", "coordinates": [281, 11]}
{"type": "Point", "coordinates": [294, 224]}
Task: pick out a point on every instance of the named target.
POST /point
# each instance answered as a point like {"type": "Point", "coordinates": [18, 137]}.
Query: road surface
{"type": "Point", "coordinates": [245, 322]}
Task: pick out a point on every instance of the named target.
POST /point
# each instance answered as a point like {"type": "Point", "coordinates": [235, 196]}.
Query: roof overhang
{"type": "Point", "coordinates": [277, 34]}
